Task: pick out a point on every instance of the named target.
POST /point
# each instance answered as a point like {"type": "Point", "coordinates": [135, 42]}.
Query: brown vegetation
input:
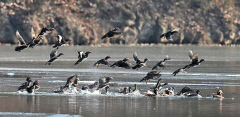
{"type": "Point", "coordinates": [141, 21]}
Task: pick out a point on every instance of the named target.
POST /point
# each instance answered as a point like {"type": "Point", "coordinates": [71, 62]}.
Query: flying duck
{"type": "Point", "coordinates": [111, 33]}
{"type": "Point", "coordinates": [21, 43]}
{"type": "Point", "coordinates": [36, 40]}
{"type": "Point", "coordinates": [54, 55]}
{"type": "Point", "coordinates": [82, 56]}
{"type": "Point", "coordinates": [168, 35]}
{"type": "Point", "coordinates": [151, 75]}
{"type": "Point", "coordinates": [122, 63]}
{"type": "Point", "coordinates": [161, 63]}
{"type": "Point", "coordinates": [194, 58]}
{"type": "Point", "coordinates": [103, 61]}
{"type": "Point", "coordinates": [139, 63]}
{"type": "Point", "coordinates": [194, 62]}
{"type": "Point", "coordinates": [60, 41]}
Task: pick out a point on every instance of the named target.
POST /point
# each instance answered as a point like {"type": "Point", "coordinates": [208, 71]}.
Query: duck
{"type": "Point", "coordinates": [185, 91]}
{"type": "Point", "coordinates": [111, 33]}
{"type": "Point", "coordinates": [151, 75]}
{"type": "Point", "coordinates": [104, 83]}
{"type": "Point", "coordinates": [161, 63]}
{"type": "Point", "coordinates": [60, 41]}
{"type": "Point", "coordinates": [168, 92]}
{"type": "Point", "coordinates": [168, 35]}
{"type": "Point", "coordinates": [158, 86]}
{"type": "Point", "coordinates": [139, 63]}
{"type": "Point", "coordinates": [103, 61]}
{"type": "Point", "coordinates": [194, 59]}
{"type": "Point", "coordinates": [21, 43]}
{"type": "Point", "coordinates": [39, 37]}
{"type": "Point", "coordinates": [122, 63]}
{"type": "Point", "coordinates": [53, 56]}
{"type": "Point", "coordinates": [196, 94]}
{"type": "Point", "coordinates": [71, 81]}
{"type": "Point", "coordinates": [218, 94]}
{"type": "Point", "coordinates": [82, 56]}
{"type": "Point", "coordinates": [194, 62]}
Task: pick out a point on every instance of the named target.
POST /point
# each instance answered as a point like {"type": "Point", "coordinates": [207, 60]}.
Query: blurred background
{"type": "Point", "coordinates": [141, 21]}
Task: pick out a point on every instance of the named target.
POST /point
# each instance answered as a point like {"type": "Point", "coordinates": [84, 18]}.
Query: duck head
{"type": "Point", "coordinates": [197, 92]}
{"type": "Point", "coordinates": [145, 60]}
{"type": "Point", "coordinates": [125, 59]}
{"type": "Point", "coordinates": [202, 60]}
{"type": "Point", "coordinates": [88, 52]}
{"type": "Point", "coordinates": [107, 57]}
{"type": "Point", "coordinates": [60, 54]}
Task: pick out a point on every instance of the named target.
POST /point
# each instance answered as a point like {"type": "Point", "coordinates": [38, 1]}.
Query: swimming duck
{"type": "Point", "coordinates": [139, 63]}
{"type": "Point", "coordinates": [168, 35]}
{"type": "Point", "coordinates": [54, 55]}
{"type": "Point", "coordinates": [168, 92]}
{"type": "Point", "coordinates": [27, 84]}
{"type": "Point", "coordinates": [161, 63]}
{"type": "Point", "coordinates": [111, 33]}
{"type": "Point", "coordinates": [82, 56]}
{"type": "Point", "coordinates": [185, 91]}
{"type": "Point", "coordinates": [196, 94]}
{"type": "Point", "coordinates": [21, 43]}
{"type": "Point", "coordinates": [36, 40]}
{"type": "Point", "coordinates": [151, 75]}
{"type": "Point", "coordinates": [102, 61]}
{"type": "Point", "coordinates": [122, 63]}
{"type": "Point", "coordinates": [158, 86]}
{"type": "Point", "coordinates": [35, 86]}
{"type": "Point", "coordinates": [104, 81]}
{"type": "Point", "coordinates": [60, 41]}
{"type": "Point", "coordinates": [218, 94]}
{"type": "Point", "coordinates": [71, 81]}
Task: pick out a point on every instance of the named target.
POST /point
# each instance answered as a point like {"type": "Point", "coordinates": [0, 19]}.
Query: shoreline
{"type": "Point", "coordinates": [139, 45]}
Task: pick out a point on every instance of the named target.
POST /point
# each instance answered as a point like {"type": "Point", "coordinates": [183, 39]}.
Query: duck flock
{"type": "Point", "coordinates": [103, 84]}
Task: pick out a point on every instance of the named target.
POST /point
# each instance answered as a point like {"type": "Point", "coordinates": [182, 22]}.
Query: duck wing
{"type": "Point", "coordinates": [80, 54]}
{"type": "Point", "coordinates": [33, 33]}
{"type": "Point", "coordinates": [136, 58]}
{"type": "Point", "coordinates": [20, 39]}
{"type": "Point", "coordinates": [54, 53]}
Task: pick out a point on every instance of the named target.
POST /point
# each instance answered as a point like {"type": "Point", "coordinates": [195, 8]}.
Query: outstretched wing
{"type": "Point", "coordinates": [162, 35]}
{"type": "Point", "coordinates": [54, 53]}
{"type": "Point", "coordinates": [193, 56]}
{"type": "Point", "coordinates": [158, 83]}
{"type": "Point", "coordinates": [135, 57]}
{"type": "Point", "coordinates": [80, 54]}
{"type": "Point", "coordinates": [33, 33]}
{"type": "Point", "coordinates": [173, 32]}
{"type": "Point", "coordinates": [20, 38]}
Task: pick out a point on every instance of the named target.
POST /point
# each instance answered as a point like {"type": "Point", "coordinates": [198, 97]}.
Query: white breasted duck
{"type": "Point", "coordinates": [139, 63]}
{"type": "Point", "coordinates": [82, 56]}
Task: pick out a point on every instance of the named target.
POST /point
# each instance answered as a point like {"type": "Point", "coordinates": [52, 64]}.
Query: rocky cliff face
{"type": "Point", "coordinates": [141, 21]}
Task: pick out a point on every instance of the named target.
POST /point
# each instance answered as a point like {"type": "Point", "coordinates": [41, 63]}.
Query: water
{"type": "Point", "coordinates": [221, 69]}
